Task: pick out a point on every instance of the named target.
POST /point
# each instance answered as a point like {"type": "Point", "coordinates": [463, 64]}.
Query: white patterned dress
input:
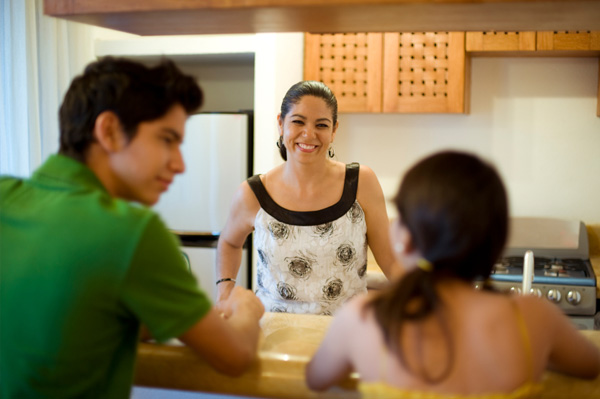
{"type": "Point", "coordinates": [310, 262]}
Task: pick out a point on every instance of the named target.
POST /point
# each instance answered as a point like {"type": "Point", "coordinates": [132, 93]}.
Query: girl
{"type": "Point", "coordinates": [432, 331]}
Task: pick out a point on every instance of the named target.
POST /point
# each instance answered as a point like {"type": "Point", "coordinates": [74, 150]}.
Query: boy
{"type": "Point", "coordinates": [82, 269]}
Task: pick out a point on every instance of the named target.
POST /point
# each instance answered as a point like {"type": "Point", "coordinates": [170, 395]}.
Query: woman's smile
{"type": "Point", "coordinates": [306, 147]}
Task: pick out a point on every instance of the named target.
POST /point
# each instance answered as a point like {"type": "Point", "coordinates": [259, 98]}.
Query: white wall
{"type": "Point", "coordinates": [229, 67]}
{"type": "Point", "coordinates": [534, 118]}
{"type": "Point", "coordinates": [279, 64]}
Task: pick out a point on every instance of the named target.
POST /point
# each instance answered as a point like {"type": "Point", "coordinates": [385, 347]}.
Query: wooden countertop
{"type": "Point", "coordinates": [180, 17]}
{"type": "Point", "coordinates": [594, 241]}
{"type": "Point", "coordinates": [288, 341]}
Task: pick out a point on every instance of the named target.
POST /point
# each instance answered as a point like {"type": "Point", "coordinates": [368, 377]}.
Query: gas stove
{"type": "Point", "coordinates": [562, 271]}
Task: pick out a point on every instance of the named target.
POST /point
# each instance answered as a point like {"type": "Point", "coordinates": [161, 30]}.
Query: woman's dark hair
{"type": "Point", "coordinates": [134, 92]}
{"type": "Point", "coordinates": [455, 207]}
{"type": "Point", "coordinates": [295, 94]}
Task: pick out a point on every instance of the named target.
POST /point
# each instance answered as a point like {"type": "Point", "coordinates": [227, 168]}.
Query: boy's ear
{"type": "Point", "coordinates": [108, 132]}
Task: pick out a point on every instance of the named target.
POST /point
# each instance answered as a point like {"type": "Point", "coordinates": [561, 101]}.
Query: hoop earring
{"type": "Point", "coordinates": [279, 142]}
{"type": "Point", "coordinates": [331, 152]}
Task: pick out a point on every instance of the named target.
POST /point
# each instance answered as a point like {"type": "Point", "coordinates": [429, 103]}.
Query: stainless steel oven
{"type": "Point", "coordinates": [562, 272]}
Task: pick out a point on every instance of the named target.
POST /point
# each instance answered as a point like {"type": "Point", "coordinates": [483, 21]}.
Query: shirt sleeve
{"type": "Point", "coordinates": [159, 289]}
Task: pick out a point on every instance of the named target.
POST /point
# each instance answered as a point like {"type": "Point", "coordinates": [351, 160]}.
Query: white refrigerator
{"type": "Point", "coordinates": [217, 151]}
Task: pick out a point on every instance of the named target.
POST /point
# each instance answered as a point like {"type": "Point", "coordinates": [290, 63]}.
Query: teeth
{"type": "Point", "coordinates": [306, 146]}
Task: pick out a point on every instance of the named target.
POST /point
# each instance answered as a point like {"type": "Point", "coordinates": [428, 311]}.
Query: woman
{"type": "Point", "coordinates": [312, 216]}
{"type": "Point", "coordinates": [432, 333]}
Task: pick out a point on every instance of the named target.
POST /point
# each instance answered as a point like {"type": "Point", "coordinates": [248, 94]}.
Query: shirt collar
{"type": "Point", "coordinates": [65, 171]}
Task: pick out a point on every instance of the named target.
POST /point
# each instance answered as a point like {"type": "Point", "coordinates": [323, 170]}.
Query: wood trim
{"type": "Point", "coordinates": [374, 73]}
{"type": "Point", "coordinates": [456, 73]}
{"type": "Point", "coordinates": [571, 41]}
{"type": "Point", "coordinates": [500, 41]}
{"type": "Point", "coordinates": [311, 56]}
{"type": "Point", "coordinates": [179, 17]}
{"type": "Point", "coordinates": [391, 45]}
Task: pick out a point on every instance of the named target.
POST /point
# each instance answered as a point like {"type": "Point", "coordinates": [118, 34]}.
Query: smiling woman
{"type": "Point", "coordinates": [312, 217]}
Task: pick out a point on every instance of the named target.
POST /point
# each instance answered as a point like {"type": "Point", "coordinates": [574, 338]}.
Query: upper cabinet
{"type": "Point", "coordinates": [568, 41]}
{"type": "Point", "coordinates": [350, 64]}
{"type": "Point", "coordinates": [418, 72]}
{"type": "Point", "coordinates": [500, 41]}
{"type": "Point", "coordinates": [546, 43]}
{"type": "Point", "coordinates": [422, 72]}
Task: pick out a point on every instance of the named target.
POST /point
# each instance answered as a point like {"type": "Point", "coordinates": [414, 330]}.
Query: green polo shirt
{"type": "Point", "coordinates": [79, 271]}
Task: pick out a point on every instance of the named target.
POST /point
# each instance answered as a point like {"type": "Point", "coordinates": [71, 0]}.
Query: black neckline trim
{"type": "Point", "coordinates": [309, 218]}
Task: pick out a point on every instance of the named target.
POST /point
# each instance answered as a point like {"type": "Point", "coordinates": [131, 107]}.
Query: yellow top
{"type": "Point", "coordinates": [382, 390]}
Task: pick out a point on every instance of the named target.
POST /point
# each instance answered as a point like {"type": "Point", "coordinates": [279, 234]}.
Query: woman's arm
{"type": "Point", "coordinates": [228, 345]}
{"type": "Point", "coordinates": [371, 199]}
{"type": "Point", "coordinates": [239, 225]}
{"type": "Point", "coordinates": [331, 363]}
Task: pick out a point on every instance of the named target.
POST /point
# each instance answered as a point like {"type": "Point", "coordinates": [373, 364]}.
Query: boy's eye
{"type": "Point", "coordinates": [323, 125]}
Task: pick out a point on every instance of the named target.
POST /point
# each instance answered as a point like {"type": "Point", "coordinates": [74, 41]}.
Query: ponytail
{"type": "Point", "coordinates": [410, 299]}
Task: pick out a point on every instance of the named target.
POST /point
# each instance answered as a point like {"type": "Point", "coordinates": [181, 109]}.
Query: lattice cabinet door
{"type": "Point", "coordinates": [424, 72]}
{"type": "Point", "coordinates": [350, 64]}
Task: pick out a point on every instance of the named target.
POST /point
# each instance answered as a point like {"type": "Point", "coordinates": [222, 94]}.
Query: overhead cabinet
{"type": "Point", "coordinates": [536, 44]}
{"type": "Point", "coordinates": [568, 41]}
{"type": "Point", "coordinates": [414, 72]}
{"type": "Point", "coordinates": [563, 43]}
{"type": "Point", "coordinates": [500, 41]}
{"type": "Point", "coordinates": [350, 64]}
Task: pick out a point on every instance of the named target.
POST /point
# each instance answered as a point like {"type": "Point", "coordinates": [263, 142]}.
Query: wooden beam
{"type": "Point", "coordinates": [180, 17]}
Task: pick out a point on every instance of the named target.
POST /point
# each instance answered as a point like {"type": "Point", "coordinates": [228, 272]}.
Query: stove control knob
{"type": "Point", "coordinates": [536, 291]}
{"type": "Point", "coordinates": [573, 297]}
{"type": "Point", "coordinates": [554, 296]}
{"type": "Point", "coordinates": [515, 290]}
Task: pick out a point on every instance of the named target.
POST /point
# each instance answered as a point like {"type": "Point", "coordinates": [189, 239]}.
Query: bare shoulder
{"type": "Point", "coordinates": [243, 210]}
{"type": "Point", "coordinates": [245, 196]}
{"type": "Point", "coordinates": [369, 192]}
{"type": "Point", "coordinates": [366, 175]}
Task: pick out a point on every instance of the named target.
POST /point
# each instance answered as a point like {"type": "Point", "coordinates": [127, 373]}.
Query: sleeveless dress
{"type": "Point", "coordinates": [530, 389]}
{"type": "Point", "coordinates": [310, 262]}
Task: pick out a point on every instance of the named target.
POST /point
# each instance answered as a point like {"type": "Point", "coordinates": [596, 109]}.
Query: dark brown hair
{"type": "Point", "coordinates": [134, 92]}
{"type": "Point", "coordinates": [454, 205]}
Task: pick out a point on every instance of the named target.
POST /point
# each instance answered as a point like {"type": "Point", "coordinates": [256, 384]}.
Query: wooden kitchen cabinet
{"type": "Point", "coordinates": [568, 41]}
{"type": "Point", "coordinates": [488, 42]}
{"type": "Point", "coordinates": [546, 43]}
{"type": "Point", "coordinates": [350, 64]}
{"type": "Point", "coordinates": [416, 72]}
{"type": "Point", "coordinates": [424, 72]}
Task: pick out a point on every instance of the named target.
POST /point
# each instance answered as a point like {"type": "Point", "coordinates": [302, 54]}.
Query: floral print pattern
{"type": "Point", "coordinates": [310, 269]}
